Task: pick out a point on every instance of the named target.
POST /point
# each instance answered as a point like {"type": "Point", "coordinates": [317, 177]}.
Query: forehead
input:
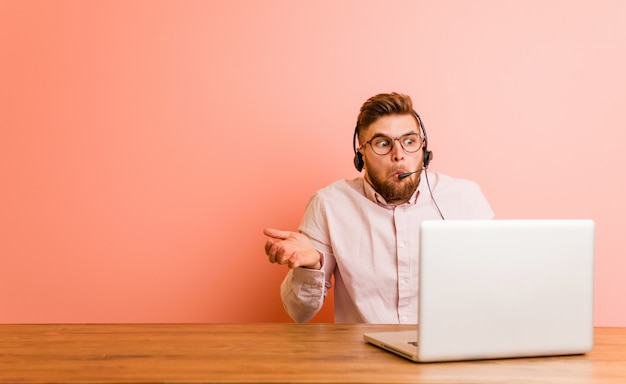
{"type": "Point", "coordinates": [393, 125]}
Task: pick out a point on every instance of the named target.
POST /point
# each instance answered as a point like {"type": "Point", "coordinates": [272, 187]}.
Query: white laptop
{"type": "Point", "coordinates": [492, 289]}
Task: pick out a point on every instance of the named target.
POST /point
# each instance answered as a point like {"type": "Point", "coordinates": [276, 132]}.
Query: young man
{"type": "Point", "coordinates": [365, 231]}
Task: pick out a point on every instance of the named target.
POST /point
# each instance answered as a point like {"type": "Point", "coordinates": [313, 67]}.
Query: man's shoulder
{"type": "Point", "coordinates": [340, 192]}
{"type": "Point", "coordinates": [341, 187]}
{"type": "Point", "coordinates": [460, 198]}
{"type": "Point", "coordinates": [442, 180]}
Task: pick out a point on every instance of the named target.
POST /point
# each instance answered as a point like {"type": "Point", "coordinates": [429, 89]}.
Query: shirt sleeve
{"type": "Point", "coordinates": [303, 290]}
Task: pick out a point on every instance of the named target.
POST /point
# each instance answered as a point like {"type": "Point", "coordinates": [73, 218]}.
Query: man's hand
{"type": "Point", "coordinates": [291, 248]}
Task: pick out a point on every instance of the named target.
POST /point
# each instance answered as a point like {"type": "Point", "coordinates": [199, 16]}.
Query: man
{"type": "Point", "coordinates": [365, 231]}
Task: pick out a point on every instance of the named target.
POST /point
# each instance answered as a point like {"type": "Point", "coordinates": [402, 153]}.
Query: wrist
{"type": "Point", "coordinates": [319, 263]}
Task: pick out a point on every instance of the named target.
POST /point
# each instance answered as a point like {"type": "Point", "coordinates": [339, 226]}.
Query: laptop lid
{"type": "Point", "coordinates": [502, 288]}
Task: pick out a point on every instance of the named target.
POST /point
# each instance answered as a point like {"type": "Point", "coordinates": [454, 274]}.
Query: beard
{"type": "Point", "coordinates": [394, 191]}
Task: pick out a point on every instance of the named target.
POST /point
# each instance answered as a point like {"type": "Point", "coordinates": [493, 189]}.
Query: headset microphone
{"type": "Point", "coordinates": [407, 174]}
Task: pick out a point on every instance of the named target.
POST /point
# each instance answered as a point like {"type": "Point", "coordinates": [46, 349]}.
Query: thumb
{"type": "Point", "coordinates": [276, 233]}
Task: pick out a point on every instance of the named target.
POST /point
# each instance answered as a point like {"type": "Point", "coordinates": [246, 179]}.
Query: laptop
{"type": "Point", "coordinates": [492, 289]}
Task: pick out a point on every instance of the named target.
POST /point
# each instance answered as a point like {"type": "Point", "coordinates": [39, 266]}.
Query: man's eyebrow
{"type": "Point", "coordinates": [378, 134]}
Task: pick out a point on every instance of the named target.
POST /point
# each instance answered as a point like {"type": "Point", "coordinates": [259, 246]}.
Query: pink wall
{"type": "Point", "coordinates": [145, 144]}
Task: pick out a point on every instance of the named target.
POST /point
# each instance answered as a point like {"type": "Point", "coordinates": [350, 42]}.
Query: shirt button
{"type": "Point", "coordinates": [400, 245]}
{"type": "Point", "coordinates": [405, 318]}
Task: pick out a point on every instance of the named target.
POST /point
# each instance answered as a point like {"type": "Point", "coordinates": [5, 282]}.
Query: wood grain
{"type": "Point", "coordinates": [264, 353]}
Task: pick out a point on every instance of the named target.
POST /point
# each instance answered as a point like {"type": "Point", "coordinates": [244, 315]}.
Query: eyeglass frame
{"type": "Point", "coordinates": [393, 142]}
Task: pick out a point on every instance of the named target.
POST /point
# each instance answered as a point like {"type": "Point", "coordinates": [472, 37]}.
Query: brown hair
{"type": "Point", "coordinates": [383, 104]}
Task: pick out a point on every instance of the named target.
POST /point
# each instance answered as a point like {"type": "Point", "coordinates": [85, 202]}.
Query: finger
{"type": "Point", "coordinates": [293, 261]}
{"type": "Point", "coordinates": [273, 253]}
{"type": "Point", "coordinates": [270, 250]}
{"type": "Point", "coordinates": [268, 246]}
{"type": "Point", "coordinates": [282, 256]}
{"type": "Point", "coordinates": [278, 254]}
{"type": "Point", "coordinates": [276, 233]}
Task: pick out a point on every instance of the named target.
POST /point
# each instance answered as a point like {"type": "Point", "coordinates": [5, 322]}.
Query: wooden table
{"type": "Point", "coordinates": [260, 353]}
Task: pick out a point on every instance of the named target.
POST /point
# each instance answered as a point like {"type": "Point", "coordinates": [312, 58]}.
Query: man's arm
{"type": "Point", "coordinates": [304, 288]}
{"type": "Point", "coordinates": [302, 292]}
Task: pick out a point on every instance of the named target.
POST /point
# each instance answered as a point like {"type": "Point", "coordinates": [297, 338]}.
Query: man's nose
{"type": "Point", "coordinates": [397, 152]}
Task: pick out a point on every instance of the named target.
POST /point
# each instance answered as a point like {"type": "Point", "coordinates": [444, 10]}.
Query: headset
{"type": "Point", "coordinates": [358, 157]}
{"type": "Point", "coordinates": [428, 156]}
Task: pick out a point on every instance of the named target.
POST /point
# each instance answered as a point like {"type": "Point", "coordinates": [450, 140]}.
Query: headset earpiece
{"type": "Point", "coordinates": [358, 157]}
{"type": "Point", "coordinates": [428, 156]}
{"type": "Point", "coordinates": [358, 161]}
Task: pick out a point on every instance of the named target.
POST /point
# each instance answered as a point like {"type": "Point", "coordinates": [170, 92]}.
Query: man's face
{"type": "Point", "coordinates": [382, 171]}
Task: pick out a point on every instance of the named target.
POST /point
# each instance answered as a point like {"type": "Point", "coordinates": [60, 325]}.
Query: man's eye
{"type": "Point", "coordinates": [382, 143]}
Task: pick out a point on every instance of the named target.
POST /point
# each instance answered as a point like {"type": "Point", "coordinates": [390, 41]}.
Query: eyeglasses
{"type": "Point", "coordinates": [382, 145]}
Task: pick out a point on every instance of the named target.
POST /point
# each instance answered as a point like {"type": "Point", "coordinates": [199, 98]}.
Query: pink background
{"type": "Point", "coordinates": [145, 144]}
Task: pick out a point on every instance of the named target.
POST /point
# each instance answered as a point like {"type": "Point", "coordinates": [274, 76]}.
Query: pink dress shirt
{"type": "Point", "coordinates": [371, 248]}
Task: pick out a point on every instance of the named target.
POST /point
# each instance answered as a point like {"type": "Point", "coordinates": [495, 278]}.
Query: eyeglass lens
{"type": "Point", "coordinates": [382, 145]}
